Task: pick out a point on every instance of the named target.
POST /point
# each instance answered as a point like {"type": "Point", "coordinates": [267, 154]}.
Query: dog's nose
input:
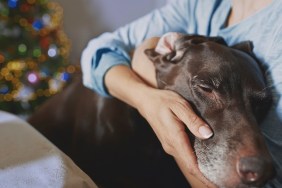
{"type": "Point", "coordinates": [254, 170]}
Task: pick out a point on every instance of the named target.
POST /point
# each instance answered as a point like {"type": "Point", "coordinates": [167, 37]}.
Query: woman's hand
{"type": "Point", "coordinates": [169, 115]}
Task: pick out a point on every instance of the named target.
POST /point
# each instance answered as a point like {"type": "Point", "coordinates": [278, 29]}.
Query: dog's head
{"type": "Point", "coordinates": [226, 87]}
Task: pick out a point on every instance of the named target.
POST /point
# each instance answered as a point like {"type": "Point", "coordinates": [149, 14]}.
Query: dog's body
{"type": "Point", "coordinates": [113, 144]}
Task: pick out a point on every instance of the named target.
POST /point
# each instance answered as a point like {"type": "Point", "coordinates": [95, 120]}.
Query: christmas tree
{"type": "Point", "coordinates": [33, 54]}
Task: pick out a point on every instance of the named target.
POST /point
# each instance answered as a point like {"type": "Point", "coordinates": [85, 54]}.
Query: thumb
{"type": "Point", "coordinates": [193, 122]}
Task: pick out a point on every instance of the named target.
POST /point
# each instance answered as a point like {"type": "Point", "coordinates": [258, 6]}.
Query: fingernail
{"type": "Point", "coordinates": [205, 131]}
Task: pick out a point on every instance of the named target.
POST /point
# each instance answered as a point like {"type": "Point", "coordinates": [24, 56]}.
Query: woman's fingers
{"type": "Point", "coordinates": [183, 110]}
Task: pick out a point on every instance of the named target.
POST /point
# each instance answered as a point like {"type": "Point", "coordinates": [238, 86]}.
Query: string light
{"type": "Point", "coordinates": [25, 93]}
{"type": "Point", "coordinates": [37, 25]}
{"type": "Point", "coordinates": [22, 48]}
{"type": "Point", "coordinates": [12, 3]}
{"type": "Point", "coordinates": [46, 19]}
{"type": "Point", "coordinates": [52, 52]}
{"type": "Point", "coordinates": [32, 78]}
{"type": "Point", "coordinates": [65, 76]}
{"type": "Point", "coordinates": [4, 89]}
{"type": "Point", "coordinates": [36, 52]}
{"type": "Point", "coordinates": [71, 69]}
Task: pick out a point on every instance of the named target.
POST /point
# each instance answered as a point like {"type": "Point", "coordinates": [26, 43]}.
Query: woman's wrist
{"type": "Point", "coordinates": [125, 85]}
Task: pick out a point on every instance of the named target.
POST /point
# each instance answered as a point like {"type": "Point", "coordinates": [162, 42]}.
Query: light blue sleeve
{"type": "Point", "coordinates": [112, 49]}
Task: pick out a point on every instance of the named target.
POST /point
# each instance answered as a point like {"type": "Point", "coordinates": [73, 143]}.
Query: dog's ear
{"type": "Point", "coordinates": [167, 42]}
{"type": "Point", "coordinates": [152, 55]}
{"type": "Point", "coordinates": [166, 47]}
{"type": "Point", "coordinates": [246, 46]}
{"type": "Point", "coordinates": [159, 59]}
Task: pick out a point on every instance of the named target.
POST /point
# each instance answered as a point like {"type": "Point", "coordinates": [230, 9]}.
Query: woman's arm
{"type": "Point", "coordinates": [111, 49]}
{"type": "Point", "coordinates": [165, 111]}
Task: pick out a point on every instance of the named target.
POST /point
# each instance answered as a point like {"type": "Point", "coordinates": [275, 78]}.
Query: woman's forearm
{"type": "Point", "coordinates": [130, 84]}
{"type": "Point", "coordinates": [125, 85]}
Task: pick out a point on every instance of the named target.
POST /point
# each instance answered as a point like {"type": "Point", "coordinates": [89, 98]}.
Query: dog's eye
{"type": "Point", "coordinates": [206, 87]}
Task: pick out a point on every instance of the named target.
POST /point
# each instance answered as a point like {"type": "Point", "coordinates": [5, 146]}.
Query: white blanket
{"type": "Point", "coordinates": [29, 160]}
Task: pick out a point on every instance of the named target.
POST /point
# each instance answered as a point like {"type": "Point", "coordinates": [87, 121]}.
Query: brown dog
{"type": "Point", "coordinates": [113, 144]}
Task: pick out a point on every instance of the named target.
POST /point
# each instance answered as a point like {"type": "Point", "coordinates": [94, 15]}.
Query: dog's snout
{"type": "Point", "coordinates": [254, 170]}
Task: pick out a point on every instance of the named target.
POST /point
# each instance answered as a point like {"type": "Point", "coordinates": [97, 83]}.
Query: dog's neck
{"type": "Point", "coordinates": [242, 9]}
